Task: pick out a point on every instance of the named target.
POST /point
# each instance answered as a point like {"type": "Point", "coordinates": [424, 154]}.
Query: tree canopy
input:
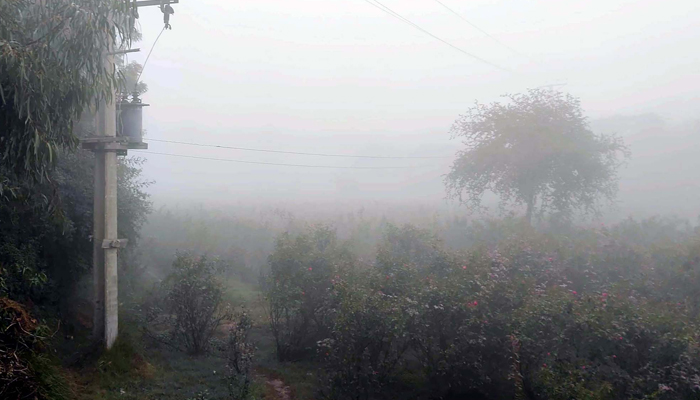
{"type": "Point", "coordinates": [52, 75]}
{"type": "Point", "coordinates": [51, 70]}
{"type": "Point", "coordinates": [129, 84]}
{"type": "Point", "coordinates": [535, 150]}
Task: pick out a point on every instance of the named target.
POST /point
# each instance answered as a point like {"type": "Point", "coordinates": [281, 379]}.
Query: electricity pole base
{"type": "Point", "coordinates": [106, 146]}
{"type": "Point", "coordinates": [105, 240]}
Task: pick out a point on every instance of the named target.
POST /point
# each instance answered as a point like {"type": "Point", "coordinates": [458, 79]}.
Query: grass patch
{"type": "Point", "coordinates": [52, 381]}
{"type": "Point", "coordinates": [123, 363]}
{"type": "Point", "coordinates": [138, 369]}
{"type": "Point", "coordinates": [299, 376]}
{"type": "Point", "coordinates": [238, 292]}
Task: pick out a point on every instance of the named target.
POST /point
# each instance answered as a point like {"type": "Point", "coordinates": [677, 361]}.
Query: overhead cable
{"type": "Point", "coordinates": [292, 152]}
{"type": "Point", "coordinates": [401, 18]}
{"type": "Point", "coordinates": [479, 29]}
{"type": "Point", "coordinates": [143, 67]}
{"type": "Point", "coordinates": [278, 164]}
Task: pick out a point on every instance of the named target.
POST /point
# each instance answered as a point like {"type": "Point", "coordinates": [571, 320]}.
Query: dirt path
{"type": "Point", "coordinates": [275, 387]}
{"type": "Point", "coordinates": [277, 390]}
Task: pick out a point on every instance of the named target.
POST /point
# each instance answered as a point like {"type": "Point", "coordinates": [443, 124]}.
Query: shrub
{"type": "Point", "coordinates": [302, 268]}
{"type": "Point", "coordinates": [460, 335]}
{"type": "Point", "coordinates": [26, 371]}
{"type": "Point", "coordinates": [239, 355]}
{"type": "Point", "coordinates": [194, 308]}
{"type": "Point", "coordinates": [368, 339]}
{"type": "Point", "coordinates": [538, 317]}
{"type": "Point", "coordinates": [606, 346]}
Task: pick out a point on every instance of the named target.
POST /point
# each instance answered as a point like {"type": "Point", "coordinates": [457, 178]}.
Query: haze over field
{"type": "Point", "coordinates": [349, 200]}
{"type": "Point", "coordinates": [344, 77]}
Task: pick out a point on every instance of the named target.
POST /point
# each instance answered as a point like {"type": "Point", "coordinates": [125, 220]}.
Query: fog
{"type": "Point", "coordinates": [350, 199]}
{"type": "Point", "coordinates": [343, 77]}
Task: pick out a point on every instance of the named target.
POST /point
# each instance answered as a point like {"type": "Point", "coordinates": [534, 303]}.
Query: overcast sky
{"type": "Point", "coordinates": [341, 76]}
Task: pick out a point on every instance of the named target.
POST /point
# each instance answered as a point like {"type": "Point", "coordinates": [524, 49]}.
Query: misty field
{"type": "Point", "coordinates": [349, 200]}
{"type": "Point", "coordinates": [462, 309]}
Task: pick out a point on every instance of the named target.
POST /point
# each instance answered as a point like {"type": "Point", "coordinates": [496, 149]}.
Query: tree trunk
{"type": "Point", "coordinates": [530, 209]}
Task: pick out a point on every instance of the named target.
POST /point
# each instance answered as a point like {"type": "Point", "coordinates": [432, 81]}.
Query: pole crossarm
{"type": "Point", "coordinates": [118, 52]}
{"type": "Point", "coordinates": [146, 3]}
{"type": "Point", "coordinates": [111, 143]}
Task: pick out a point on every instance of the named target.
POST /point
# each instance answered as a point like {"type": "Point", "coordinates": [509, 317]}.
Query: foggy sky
{"type": "Point", "coordinates": [343, 77]}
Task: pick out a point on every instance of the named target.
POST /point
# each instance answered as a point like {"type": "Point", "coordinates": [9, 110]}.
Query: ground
{"type": "Point", "coordinates": [139, 369]}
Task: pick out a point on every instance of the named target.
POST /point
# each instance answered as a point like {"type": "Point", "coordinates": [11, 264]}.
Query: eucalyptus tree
{"type": "Point", "coordinates": [535, 150]}
{"type": "Point", "coordinates": [52, 75]}
{"type": "Point", "coordinates": [52, 70]}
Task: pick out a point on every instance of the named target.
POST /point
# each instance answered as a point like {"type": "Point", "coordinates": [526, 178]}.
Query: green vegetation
{"type": "Point", "coordinates": [49, 76]}
{"type": "Point", "coordinates": [443, 307]}
{"type": "Point", "coordinates": [596, 315]}
{"type": "Point", "coordinates": [538, 150]}
{"type": "Point", "coordinates": [190, 306]}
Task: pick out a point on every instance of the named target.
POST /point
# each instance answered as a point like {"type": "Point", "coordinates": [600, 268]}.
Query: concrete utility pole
{"type": "Point", "coordinates": [106, 146]}
{"type": "Point", "coordinates": [104, 236]}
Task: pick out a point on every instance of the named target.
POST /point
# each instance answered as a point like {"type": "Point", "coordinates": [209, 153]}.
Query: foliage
{"type": "Point", "coordinates": [603, 314]}
{"type": "Point", "coordinates": [368, 339]}
{"type": "Point", "coordinates": [536, 150]}
{"type": "Point", "coordinates": [193, 304]}
{"type": "Point", "coordinates": [203, 395]}
{"type": "Point", "coordinates": [43, 254]}
{"type": "Point", "coordinates": [51, 71]}
{"type": "Point", "coordinates": [25, 369]}
{"type": "Point", "coordinates": [52, 74]}
{"type": "Point", "coordinates": [45, 229]}
{"type": "Point", "coordinates": [606, 346]}
{"type": "Point", "coordinates": [128, 84]}
{"type": "Point", "coordinates": [298, 289]}
{"type": "Point", "coordinates": [239, 354]}
{"type": "Point", "coordinates": [407, 244]}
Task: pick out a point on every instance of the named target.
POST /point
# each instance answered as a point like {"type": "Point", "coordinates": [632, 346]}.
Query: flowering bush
{"type": "Point", "coordinates": [298, 287]}
{"type": "Point", "coordinates": [239, 357]}
{"type": "Point", "coordinates": [598, 314]}
{"type": "Point", "coordinates": [368, 338]}
{"type": "Point", "coordinates": [576, 345]}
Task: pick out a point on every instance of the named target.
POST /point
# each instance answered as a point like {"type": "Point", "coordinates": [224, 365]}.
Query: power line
{"type": "Point", "coordinates": [551, 86]}
{"type": "Point", "coordinates": [143, 67]}
{"type": "Point", "coordinates": [401, 18]}
{"type": "Point", "coordinates": [386, 9]}
{"type": "Point", "coordinates": [291, 152]}
{"type": "Point", "coordinates": [278, 164]}
{"type": "Point", "coordinates": [479, 29]}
